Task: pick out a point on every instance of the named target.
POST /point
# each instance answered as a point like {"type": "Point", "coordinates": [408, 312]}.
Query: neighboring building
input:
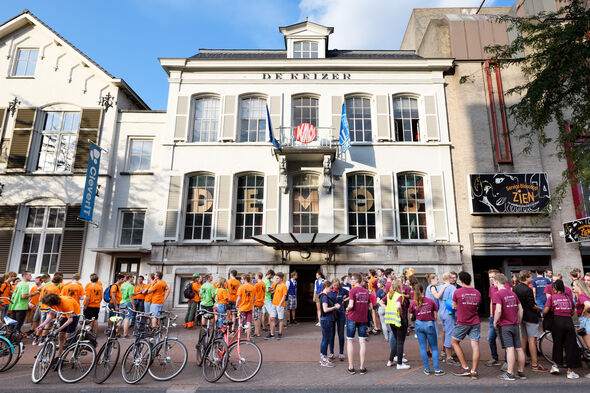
{"type": "Point", "coordinates": [492, 232]}
{"type": "Point", "coordinates": [225, 182]}
{"type": "Point", "coordinates": [51, 106]}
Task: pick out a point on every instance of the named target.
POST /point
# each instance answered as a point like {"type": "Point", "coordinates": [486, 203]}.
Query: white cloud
{"type": "Point", "coordinates": [370, 24]}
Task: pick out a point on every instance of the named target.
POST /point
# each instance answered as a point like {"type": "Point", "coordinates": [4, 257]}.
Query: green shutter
{"type": "Point", "coordinates": [21, 138]}
{"type": "Point", "coordinates": [89, 125]}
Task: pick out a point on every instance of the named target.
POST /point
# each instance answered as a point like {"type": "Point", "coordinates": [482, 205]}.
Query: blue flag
{"type": "Point", "coordinates": [89, 193]}
{"type": "Point", "coordinates": [344, 131]}
{"type": "Point", "coordinates": [271, 136]}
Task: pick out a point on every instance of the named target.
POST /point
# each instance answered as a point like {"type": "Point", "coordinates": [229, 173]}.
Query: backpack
{"type": "Point", "coordinates": [188, 290]}
{"type": "Point", "coordinates": [107, 293]}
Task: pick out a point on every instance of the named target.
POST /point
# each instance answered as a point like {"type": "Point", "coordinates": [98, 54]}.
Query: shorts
{"type": "Point", "coordinates": [246, 316]}
{"type": "Point", "coordinates": [146, 307]}
{"type": "Point", "coordinates": [585, 324]}
{"type": "Point", "coordinates": [267, 306]}
{"type": "Point", "coordinates": [352, 327]}
{"type": "Point", "coordinates": [257, 314]}
{"type": "Point", "coordinates": [460, 331]}
{"type": "Point", "coordinates": [37, 315]}
{"type": "Point", "coordinates": [316, 297]}
{"type": "Point", "coordinates": [509, 336]}
{"type": "Point", "coordinates": [71, 328]}
{"type": "Point", "coordinates": [209, 308]}
{"type": "Point", "coordinates": [277, 312]}
{"type": "Point", "coordinates": [111, 308]}
{"type": "Point", "coordinates": [127, 310]}
{"type": "Point", "coordinates": [91, 312]}
{"type": "Point", "coordinates": [155, 309]}
{"type": "Point", "coordinates": [44, 316]}
{"type": "Point", "coordinates": [448, 322]}
{"type": "Point", "coordinates": [291, 302]}
{"type": "Point", "coordinates": [231, 306]}
{"type": "Point", "coordinates": [529, 329]}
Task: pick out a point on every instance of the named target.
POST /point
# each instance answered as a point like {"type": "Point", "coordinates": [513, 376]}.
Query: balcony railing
{"type": "Point", "coordinates": [323, 139]}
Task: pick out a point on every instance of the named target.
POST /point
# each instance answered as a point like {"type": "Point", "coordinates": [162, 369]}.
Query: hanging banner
{"type": "Point", "coordinates": [91, 183]}
{"type": "Point", "coordinates": [577, 231]}
{"type": "Point", "coordinates": [508, 193]}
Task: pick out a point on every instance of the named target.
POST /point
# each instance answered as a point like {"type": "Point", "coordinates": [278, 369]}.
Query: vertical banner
{"type": "Point", "coordinates": [91, 182]}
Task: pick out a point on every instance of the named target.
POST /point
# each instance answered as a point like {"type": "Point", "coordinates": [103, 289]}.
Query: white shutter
{"type": "Point", "coordinates": [271, 207]}
{"type": "Point", "coordinates": [383, 122]}
{"type": "Point", "coordinates": [336, 116]}
{"type": "Point", "coordinates": [339, 195]}
{"type": "Point", "coordinates": [387, 208]}
{"type": "Point", "coordinates": [431, 118]}
{"type": "Point", "coordinates": [172, 207]}
{"type": "Point", "coordinates": [181, 116]}
{"type": "Point", "coordinates": [439, 213]}
{"type": "Point", "coordinates": [229, 119]}
{"type": "Point", "coordinates": [224, 198]}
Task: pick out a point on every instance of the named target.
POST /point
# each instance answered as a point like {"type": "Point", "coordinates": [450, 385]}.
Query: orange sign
{"type": "Point", "coordinates": [306, 133]}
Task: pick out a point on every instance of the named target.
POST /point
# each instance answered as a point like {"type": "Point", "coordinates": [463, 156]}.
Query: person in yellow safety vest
{"type": "Point", "coordinates": [396, 315]}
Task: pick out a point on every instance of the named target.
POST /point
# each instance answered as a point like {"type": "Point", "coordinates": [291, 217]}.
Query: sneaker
{"type": "Point", "coordinates": [404, 360]}
{"type": "Point", "coordinates": [362, 371]}
{"type": "Point", "coordinates": [452, 362]}
{"type": "Point", "coordinates": [504, 367]}
{"type": "Point", "coordinates": [390, 363]}
{"type": "Point", "coordinates": [403, 366]}
{"type": "Point", "coordinates": [520, 375]}
{"type": "Point", "coordinates": [507, 377]}
{"type": "Point", "coordinates": [318, 324]}
{"type": "Point", "coordinates": [426, 372]}
{"type": "Point", "coordinates": [269, 337]}
{"type": "Point", "coordinates": [474, 375]}
{"type": "Point", "coordinates": [493, 363]}
{"type": "Point", "coordinates": [554, 370]}
{"type": "Point", "coordinates": [572, 375]}
{"type": "Point", "coordinates": [587, 376]}
{"type": "Point", "coordinates": [279, 336]}
{"type": "Point", "coordinates": [538, 368]}
{"type": "Point", "coordinates": [325, 363]}
{"type": "Point", "coordinates": [351, 371]}
{"type": "Point", "coordinates": [439, 373]}
{"type": "Point", "coordinates": [462, 372]}
{"type": "Point", "coordinates": [341, 357]}
{"type": "Point", "coordinates": [331, 357]}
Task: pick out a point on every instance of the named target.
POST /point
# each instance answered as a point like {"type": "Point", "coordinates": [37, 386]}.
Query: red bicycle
{"type": "Point", "coordinates": [245, 357]}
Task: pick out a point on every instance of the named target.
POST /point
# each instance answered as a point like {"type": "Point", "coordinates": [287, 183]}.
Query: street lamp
{"type": "Point", "coordinates": [12, 105]}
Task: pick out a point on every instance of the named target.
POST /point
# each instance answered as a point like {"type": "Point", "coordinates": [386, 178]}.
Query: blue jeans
{"type": "Point", "coordinates": [492, 339]}
{"type": "Point", "coordinates": [221, 311]}
{"type": "Point", "coordinates": [327, 334]}
{"type": "Point", "coordinates": [427, 335]}
{"type": "Point", "coordinates": [339, 327]}
{"type": "Point", "coordinates": [352, 327]}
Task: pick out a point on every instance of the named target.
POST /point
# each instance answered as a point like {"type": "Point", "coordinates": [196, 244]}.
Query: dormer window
{"type": "Point", "coordinates": [305, 50]}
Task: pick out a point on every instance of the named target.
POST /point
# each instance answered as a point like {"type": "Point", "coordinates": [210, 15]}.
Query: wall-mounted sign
{"type": "Point", "coordinates": [306, 133]}
{"type": "Point", "coordinates": [307, 75]}
{"type": "Point", "coordinates": [91, 183]}
{"type": "Point", "coordinates": [577, 231]}
{"type": "Point", "coordinates": [508, 193]}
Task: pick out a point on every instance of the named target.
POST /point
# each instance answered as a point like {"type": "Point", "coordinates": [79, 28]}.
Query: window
{"type": "Point", "coordinates": [305, 110]}
{"type": "Point", "coordinates": [253, 120]}
{"type": "Point", "coordinates": [126, 266]}
{"type": "Point", "coordinates": [206, 120]}
{"type": "Point", "coordinates": [25, 63]}
{"type": "Point", "coordinates": [406, 119]}
{"type": "Point", "coordinates": [361, 206]}
{"type": "Point", "coordinates": [498, 114]}
{"type": "Point", "coordinates": [140, 155]}
{"type": "Point", "coordinates": [199, 207]}
{"type": "Point", "coordinates": [132, 228]}
{"type": "Point", "coordinates": [249, 206]}
{"type": "Point", "coordinates": [412, 206]}
{"type": "Point", "coordinates": [42, 239]}
{"type": "Point", "coordinates": [358, 111]}
{"type": "Point", "coordinates": [305, 203]}
{"type": "Point", "coordinates": [58, 141]}
{"type": "Point", "coordinates": [305, 50]}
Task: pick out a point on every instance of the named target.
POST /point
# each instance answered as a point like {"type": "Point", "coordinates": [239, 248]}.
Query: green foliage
{"type": "Point", "coordinates": [553, 51]}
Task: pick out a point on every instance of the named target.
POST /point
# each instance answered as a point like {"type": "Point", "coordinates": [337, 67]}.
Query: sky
{"type": "Point", "coordinates": [126, 37]}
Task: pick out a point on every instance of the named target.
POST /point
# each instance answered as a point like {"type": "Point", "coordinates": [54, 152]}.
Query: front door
{"type": "Point", "coordinates": [306, 308]}
{"type": "Point", "coordinates": [127, 265]}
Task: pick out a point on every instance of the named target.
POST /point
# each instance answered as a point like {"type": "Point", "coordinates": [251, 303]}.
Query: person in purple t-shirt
{"type": "Point", "coordinates": [466, 301]}
{"type": "Point", "coordinates": [507, 317]}
{"type": "Point", "coordinates": [358, 311]}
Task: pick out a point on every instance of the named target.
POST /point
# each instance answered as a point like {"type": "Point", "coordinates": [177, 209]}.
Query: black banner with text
{"type": "Point", "coordinates": [577, 230]}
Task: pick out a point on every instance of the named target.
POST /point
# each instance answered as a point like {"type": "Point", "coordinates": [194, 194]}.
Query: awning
{"type": "Point", "coordinates": [122, 250]}
{"type": "Point", "coordinates": [304, 241]}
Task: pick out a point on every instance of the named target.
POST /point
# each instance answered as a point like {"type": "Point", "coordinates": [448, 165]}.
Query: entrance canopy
{"type": "Point", "coordinates": [304, 241]}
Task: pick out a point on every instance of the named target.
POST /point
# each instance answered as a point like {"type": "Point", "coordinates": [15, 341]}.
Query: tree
{"type": "Point", "coordinates": [553, 51]}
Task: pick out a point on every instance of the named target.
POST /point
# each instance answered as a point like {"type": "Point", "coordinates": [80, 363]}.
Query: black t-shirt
{"type": "Point", "coordinates": [527, 300]}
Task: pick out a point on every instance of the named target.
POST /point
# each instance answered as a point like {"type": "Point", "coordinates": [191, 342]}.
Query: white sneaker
{"type": "Point", "coordinates": [572, 375]}
{"type": "Point", "coordinates": [318, 324]}
{"type": "Point", "coordinates": [587, 376]}
{"type": "Point", "coordinates": [404, 360]}
{"type": "Point", "coordinates": [403, 366]}
{"type": "Point", "coordinates": [554, 370]}
{"type": "Point", "coordinates": [390, 363]}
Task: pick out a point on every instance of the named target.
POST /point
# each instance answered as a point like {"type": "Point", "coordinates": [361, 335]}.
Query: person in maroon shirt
{"type": "Point", "coordinates": [358, 312]}
{"type": "Point", "coordinates": [425, 310]}
{"type": "Point", "coordinates": [507, 317]}
{"type": "Point", "coordinates": [492, 336]}
{"type": "Point", "coordinates": [549, 289]}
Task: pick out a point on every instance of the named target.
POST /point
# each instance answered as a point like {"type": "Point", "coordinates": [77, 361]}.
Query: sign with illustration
{"type": "Point", "coordinates": [306, 133]}
{"type": "Point", "coordinates": [577, 231]}
{"type": "Point", "coordinates": [508, 193]}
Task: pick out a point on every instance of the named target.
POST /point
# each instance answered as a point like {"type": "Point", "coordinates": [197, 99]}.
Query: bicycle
{"type": "Point", "coordinates": [215, 353]}
{"type": "Point", "coordinates": [138, 356]}
{"type": "Point", "coordinates": [45, 357]}
{"type": "Point", "coordinates": [11, 345]}
{"type": "Point", "coordinates": [108, 355]}
{"type": "Point", "coordinates": [169, 355]}
{"type": "Point", "coordinates": [79, 356]}
{"type": "Point", "coordinates": [545, 347]}
{"type": "Point", "coordinates": [244, 356]}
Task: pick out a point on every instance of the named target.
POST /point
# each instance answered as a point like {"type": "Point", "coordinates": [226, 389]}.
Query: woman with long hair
{"type": "Point", "coordinates": [563, 330]}
{"type": "Point", "coordinates": [583, 309]}
{"type": "Point", "coordinates": [425, 310]}
{"type": "Point", "coordinates": [396, 315]}
{"type": "Point", "coordinates": [327, 322]}
{"type": "Point", "coordinates": [338, 296]}
{"type": "Point", "coordinates": [221, 299]}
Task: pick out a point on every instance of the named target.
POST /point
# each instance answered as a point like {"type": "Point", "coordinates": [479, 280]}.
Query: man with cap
{"type": "Point", "coordinates": [194, 302]}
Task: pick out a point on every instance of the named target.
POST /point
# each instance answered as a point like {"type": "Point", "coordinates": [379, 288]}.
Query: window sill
{"type": "Point", "coordinates": [20, 77]}
{"type": "Point", "coordinates": [140, 173]}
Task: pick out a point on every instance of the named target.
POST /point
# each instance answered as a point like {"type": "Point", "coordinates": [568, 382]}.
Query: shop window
{"type": "Point", "coordinates": [412, 206]}
{"type": "Point", "coordinates": [361, 206]}
{"type": "Point", "coordinates": [249, 206]}
{"type": "Point", "coordinates": [199, 207]}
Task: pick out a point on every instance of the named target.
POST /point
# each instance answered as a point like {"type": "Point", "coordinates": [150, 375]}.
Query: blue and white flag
{"type": "Point", "coordinates": [344, 131]}
{"type": "Point", "coordinates": [91, 183]}
{"type": "Point", "coordinates": [271, 135]}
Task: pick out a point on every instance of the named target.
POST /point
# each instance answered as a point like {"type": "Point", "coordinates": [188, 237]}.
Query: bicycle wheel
{"type": "Point", "coordinates": [545, 346]}
{"type": "Point", "coordinates": [106, 360]}
{"type": "Point", "coordinates": [200, 347]}
{"type": "Point", "coordinates": [76, 362]}
{"type": "Point", "coordinates": [136, 361]}
{"type": "Point", "coordinates": [168, 359]}
{"type": "Point", "coordinates": [6, 354]}
{"type": "Point", "coordinates": [43, 361]}
{"type": "Point", "coordinates": [16, 355]}
{"type": "Point", "coordinates": [215, 360]}
{"type": "Point", "coordinates": [244, 361]}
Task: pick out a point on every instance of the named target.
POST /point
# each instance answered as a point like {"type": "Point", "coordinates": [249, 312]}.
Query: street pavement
{"type": "Point", "coordinates": [291, 364]}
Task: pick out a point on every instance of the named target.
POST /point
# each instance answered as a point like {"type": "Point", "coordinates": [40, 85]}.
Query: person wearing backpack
{"type": "Point", "coordinates": [112, 295]}
{"type": "Point", "coordinates": [189, 293]}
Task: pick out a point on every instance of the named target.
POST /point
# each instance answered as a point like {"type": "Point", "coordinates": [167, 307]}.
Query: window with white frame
{"type": "Point", "coordinates": [199, 207]}
{"type": "Point", "coordinates": [305, 110]}
{"type": "Point", "coordinates": [253, 119]}
{"type": "Point", "coordinates": [306, 203]}
{"type": "Point", "coordinates": [140, 155]}
{"type": "Point", "coordinates": [132, 222]}
{"type": "Point", "coordinates": [249, 206]}
{"type": "Point", "coordinates": [305, 50]}
{"type": "Point", "coordinates": [25, 62]}
{"type": "Point", "coordinates": [42, 239]}
{"type": "Point", "coordinates": [412, 206]}
{"type": "Point", "coordinates": [358, 111]}
{"type": "Point", "coordinates": [206, 119]}
{"type": "Point", "coordinates": [59, 136]}
{"type": "Point", "coordinates": [406, 119]}
{"type": "Point", "coordinates": [361, 206]}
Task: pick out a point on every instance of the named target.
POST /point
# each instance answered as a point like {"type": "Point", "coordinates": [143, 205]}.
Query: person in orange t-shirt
{"type": "Point", "coordinates": [245, 302]}
{"type": "Point", "coordinates": [277, 309]}
{"type": "Point", "coordinates": [92, 300]}
{"type": "Point", "coordinates": [259, 295]}
{"type": "Point", "coordinates": [34, 303]}
{"type": "Point", "coordinates": [73, 289]}
{"type": "Point", "coordinates": [195, 301]}
{"type": "Point", "coordinates": [69, 323]}
{"type": "Point", "coordinates": [221, 299]}
{"type": "Point", "coordinates": [232, 288]}
{"type": "Point", "coordinates": [147, 302]}
{"type": "Point", "coordinates": [6, 292]}
{"type": "Point", "coordinates": [160, 292]}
